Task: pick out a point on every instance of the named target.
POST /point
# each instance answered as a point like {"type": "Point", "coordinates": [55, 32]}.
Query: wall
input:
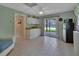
{"type": "Point", "coordinates": [42, 26]}
{"type": "Point", "coordinates": [67, 15]}
{"type": "Point", "coordinates": [7, 16]}
{"type": "Point", "coordinates": [76, 12]}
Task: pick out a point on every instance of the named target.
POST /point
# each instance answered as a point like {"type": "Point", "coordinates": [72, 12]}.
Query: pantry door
{"type": "Point", "coordinates": [20, 26]}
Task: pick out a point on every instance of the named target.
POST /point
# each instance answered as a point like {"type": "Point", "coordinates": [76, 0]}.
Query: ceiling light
{"type": "Point", "coordinates": [41, 12]}
{"type": "Point", "coordinates": [31, 4]}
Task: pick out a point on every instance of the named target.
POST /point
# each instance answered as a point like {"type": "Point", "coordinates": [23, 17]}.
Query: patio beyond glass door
{"type": "Point", "coordinates": [50, 27]}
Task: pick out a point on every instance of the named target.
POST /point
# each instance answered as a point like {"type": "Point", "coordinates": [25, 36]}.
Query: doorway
{"type": "Point", "coordinates": [19, 26]}
{"type": "Point", "coordinates": [50, 27]}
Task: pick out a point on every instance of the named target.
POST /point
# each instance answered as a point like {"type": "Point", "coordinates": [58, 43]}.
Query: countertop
{"type": "Point", "coordinates": [32, 28]}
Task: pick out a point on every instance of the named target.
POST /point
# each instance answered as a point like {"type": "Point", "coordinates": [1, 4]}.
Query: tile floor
{"type": "Point", "coordinates": [51, 34]}
{"type": "Point", "coordinates": [42, 46]}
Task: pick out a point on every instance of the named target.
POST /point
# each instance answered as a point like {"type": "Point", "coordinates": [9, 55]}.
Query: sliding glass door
{"type": "Point", "coordinates": [50, 27]}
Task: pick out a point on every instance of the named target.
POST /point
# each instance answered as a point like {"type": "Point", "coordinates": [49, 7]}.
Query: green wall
{"type": "Point", "coordinates": [7, 16]}
{"type": "Point", "coordinates": [76, 10]}
{"type": "Point", "coordinates": [67, 15]}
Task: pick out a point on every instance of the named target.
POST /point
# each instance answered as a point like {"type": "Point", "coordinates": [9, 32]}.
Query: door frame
{"type": "Point", "coordinates": [24, 21]}
{"type": "Point", "coordinates": [47, 21]}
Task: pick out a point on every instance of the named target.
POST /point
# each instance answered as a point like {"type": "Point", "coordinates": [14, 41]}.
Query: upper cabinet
{"type": "Point", "coordinates": [33, 21]}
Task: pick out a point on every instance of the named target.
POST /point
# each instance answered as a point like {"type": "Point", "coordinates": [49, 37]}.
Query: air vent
{"type": "Point", "coordinates": [31, 4]}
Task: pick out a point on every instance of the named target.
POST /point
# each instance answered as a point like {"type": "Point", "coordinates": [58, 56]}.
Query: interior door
{"type": "Point", "coordinates": [19, 26]}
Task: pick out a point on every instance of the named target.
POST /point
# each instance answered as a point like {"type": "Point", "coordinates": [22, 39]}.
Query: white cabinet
{"type": "Point", "coordinates": [76, 42]}
{"type": "Point", "coordinates": [32, 33]}
{"type": "Point", "coordinates": [32, 21]}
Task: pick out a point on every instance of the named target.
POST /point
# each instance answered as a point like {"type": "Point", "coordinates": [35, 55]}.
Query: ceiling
{"type": "Point", "coordinates": [47, 8]}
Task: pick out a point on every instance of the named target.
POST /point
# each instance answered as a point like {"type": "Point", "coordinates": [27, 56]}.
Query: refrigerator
{"type": "Point", "coordinates": [69, 31]}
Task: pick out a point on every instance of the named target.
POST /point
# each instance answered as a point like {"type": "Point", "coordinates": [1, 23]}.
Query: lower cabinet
{"type": "Point", "coordinates": [32, 33]}
{"type": "Point", "coordinates": [76, 42]}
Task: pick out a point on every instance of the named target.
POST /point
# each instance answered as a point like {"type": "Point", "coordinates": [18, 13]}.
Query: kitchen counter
{"type": "Point", "coordinates": [32, 28]}
{"type": "Point", "coordinates": [32, 33]}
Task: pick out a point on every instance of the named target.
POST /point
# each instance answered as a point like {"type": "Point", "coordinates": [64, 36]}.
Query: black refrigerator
{"type": "Point", "coordinates": [69, 31]}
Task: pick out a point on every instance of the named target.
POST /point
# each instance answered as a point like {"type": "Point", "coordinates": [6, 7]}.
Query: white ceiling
{"type": "Point", "coordinates": [48, 8]}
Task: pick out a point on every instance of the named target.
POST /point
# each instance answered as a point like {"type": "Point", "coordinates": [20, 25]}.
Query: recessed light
{"type": "Point", "coordinates": [41, 12]}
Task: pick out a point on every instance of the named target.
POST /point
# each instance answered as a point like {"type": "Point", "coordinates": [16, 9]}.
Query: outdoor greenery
{"type": "Point", "coordinates": [51, 29]}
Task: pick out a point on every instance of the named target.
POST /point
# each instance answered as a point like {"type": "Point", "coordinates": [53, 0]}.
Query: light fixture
{"type": "Point", "coordinates": [41, 12]}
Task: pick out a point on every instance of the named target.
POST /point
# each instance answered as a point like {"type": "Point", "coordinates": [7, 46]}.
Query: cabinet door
{"type": "Point", "coordinates": [34, 33]}
{"type": "Point", "coordinates": [32, 21]}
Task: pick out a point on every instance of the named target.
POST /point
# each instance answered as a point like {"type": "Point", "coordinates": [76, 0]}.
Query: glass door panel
{"type": "Point", "coordinates": [50, 27]}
